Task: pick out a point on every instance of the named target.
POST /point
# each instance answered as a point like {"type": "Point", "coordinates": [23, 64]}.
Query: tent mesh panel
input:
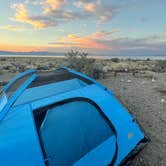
{"type": "Point", "coordinates": [12, 89]}
{"type": "Point", "coordinates": [57, 76]}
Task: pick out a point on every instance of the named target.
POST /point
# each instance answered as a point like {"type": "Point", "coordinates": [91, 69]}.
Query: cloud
{"type": "Point", "coordinates": [53, 12]}
{"type": "Point", "coordinates": [73, 40]}
{"type": "Point", "coordinates": [103, 34]}
{"type": "Point", "coordinates": [153, 45]}
{"type": "Point", "coordinates": [45, 20]}
{"type": "Point", "coordinates": [89, 6]}
{"type": "Point", "coordinates": [103, 42]}
{"type": "Point", "coordinates": [13, 28]}
{"type": "Point", "coordinates": [102, 12]}
{"type": "Point", "coordinates": [106, 13]}
{"type": "Point", "coordinates": [91, 41]}
{"type": "Point", "coordinates": [52, 5]}
{"type": "Point", "coordinates": [21, 15]}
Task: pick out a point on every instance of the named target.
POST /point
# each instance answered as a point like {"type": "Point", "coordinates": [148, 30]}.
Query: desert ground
{"type": "Point", "coordinates": [140, 85]}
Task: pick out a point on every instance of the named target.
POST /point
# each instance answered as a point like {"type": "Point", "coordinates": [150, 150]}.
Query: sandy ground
{"type": "Point", "coordinates": [141, 94]}
{"type": "Point", "coordinates": [141, 97]}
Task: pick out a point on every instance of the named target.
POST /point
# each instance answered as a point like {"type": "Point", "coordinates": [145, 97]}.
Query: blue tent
{"type": "Point", "coordinates": [64, 118]}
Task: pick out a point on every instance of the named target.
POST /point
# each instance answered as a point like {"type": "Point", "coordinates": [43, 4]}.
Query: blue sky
{"type": "Point", "coordinates": [121, 27]}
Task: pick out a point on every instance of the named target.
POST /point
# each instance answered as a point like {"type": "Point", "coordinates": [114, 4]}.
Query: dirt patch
{"type": "Point", "coordinates": [148, 106]}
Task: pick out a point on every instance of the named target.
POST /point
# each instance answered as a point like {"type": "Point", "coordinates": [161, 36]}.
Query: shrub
{"type": "Point", "coordinates": [116, 60]}
{"type": "Point", "coordinates": [80, 62]}
{"type": "Point", "coordinates": [148, 59]}
{"type": "Point", "coordinates": [3, 59]}
{"type": "Point", "coordinates": [160, 66]}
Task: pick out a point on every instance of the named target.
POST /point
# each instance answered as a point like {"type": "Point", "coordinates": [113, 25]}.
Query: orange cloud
{"type": "Point", "coordinates": [97, 40]}
{"type": "Point", "coordinates": [51, 5]}
{"type": "Point", "coordinates": [104, 34]}
{"type": "Point", "coordinates": [22, 16]}
{"type": "Point", "coordinates": [80, 42]}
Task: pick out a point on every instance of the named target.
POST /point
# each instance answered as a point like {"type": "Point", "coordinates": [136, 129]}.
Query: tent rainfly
{"type": "Point", "coordinates": [64, 118]}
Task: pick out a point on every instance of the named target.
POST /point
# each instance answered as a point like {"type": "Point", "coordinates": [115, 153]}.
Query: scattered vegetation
{"type": "Point", "coordinates": [81, 62]}
{"type": "Point", "coordinates": [148, 74]}
{"type": "Point", "coordinates": [3, 83]}
{"type": "Point", "coordinates": [148, 59]}
{"type": "Point", "coordinates": [3, 59]}
{"type": "Point", "coordinates": [116, 60]}
{"type": "Point", "coordinates": [160, 66]}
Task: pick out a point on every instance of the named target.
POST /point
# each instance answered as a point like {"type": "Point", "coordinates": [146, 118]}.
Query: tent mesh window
{"type": "Point", "coordinates": [15, 86]}
{"type": "Point", "coordinates": [57, 76]}
{"type": "Point", "coordinates": [69, 131]}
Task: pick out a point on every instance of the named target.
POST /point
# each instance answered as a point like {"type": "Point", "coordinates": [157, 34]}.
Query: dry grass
{"type": "Point", "coordinates": [148, 74]}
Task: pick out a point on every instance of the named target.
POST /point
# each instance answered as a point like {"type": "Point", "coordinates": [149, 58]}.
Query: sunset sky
{"type": "Point", "coordinates": [121, 27]}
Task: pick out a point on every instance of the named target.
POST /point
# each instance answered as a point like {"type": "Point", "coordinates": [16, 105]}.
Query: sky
{"type": "Point", "coordinates": [115, 27]}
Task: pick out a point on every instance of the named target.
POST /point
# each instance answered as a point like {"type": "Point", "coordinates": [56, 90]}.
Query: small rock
{"type": "Point", "coordinates": [153, 80]}
{"type": "Point", "coordinates": [105, 69]}
{"type": "Point", "coordinates": [126, 69]}
{"type": "Point", "coordinates": [129, 81]}
{"type": "Point", "coordinates": [162, 100]}
{"type": "Point", "coordinates": [140, 159]}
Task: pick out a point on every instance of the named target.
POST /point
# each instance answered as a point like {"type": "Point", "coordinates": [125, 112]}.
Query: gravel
{"type": "Point", "coordinates": [148, 106]}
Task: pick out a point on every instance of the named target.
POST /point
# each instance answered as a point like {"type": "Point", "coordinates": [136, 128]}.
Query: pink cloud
{"type": "Point", "coordinates": [95, 40]}
{"type": "Point", "coordinates": [52, 5]}
{"type": "Point", "coordinates": [78, 41]}
{"type": "Point", "coordinates": [87, 6]}
{"type": "Point", "coordinates": [104, 34]}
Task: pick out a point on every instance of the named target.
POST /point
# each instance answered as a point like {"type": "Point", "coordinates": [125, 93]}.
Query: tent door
{"type": "Point", "coordinates": [75, 132]}
{"type": "Point", "coordinates": [101, 155]}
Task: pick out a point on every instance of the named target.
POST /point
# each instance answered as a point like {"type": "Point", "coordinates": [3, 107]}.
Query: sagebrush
{"type": "Point", "coordinates": [81, 62]}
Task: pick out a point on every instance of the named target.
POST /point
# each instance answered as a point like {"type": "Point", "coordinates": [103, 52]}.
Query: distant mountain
{"type": "Point", "coordinates": [104, 55]}
{"type": "Point", "coordinates": [31, 53]}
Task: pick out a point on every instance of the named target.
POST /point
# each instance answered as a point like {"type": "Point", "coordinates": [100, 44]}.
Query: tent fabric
{"type": "Point", "coordinates": [101, 155]}
{"type": "Point", "coordinates": [71, 130]}
{"type": "Point", "coordinates": [3, 102]}
{"type": "Point", "coordinates": [81, 122]}
{"type": "Point", "coordinates": [19, 145]}
{"type": "Point", "coordinates": [49, 90]}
